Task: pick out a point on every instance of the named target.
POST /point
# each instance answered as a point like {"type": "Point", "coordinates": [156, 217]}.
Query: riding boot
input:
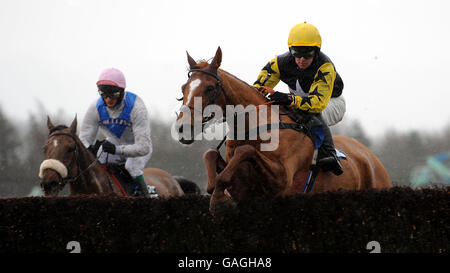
{"type": "Point", "coordinates": [327, 153]}
{"type": "Point", "coordinates": [142, 186]}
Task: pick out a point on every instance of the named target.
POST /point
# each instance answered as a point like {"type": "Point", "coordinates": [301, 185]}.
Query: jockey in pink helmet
{"type": "Point", "coordinates": [112, 76]}
{"type": "Point", "coordinates": [111, 84]}
{"type": "Point", "coordinates": [123, 118]}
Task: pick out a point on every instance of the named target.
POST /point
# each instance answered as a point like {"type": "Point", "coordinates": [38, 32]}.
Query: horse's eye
{"type": "Point", "coordinates": [71, 149]}
{"type": "Point", "coordinates": [209, 89]}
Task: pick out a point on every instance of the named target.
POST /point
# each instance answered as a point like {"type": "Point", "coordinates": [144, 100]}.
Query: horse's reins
{"type": "Point", "coordinates": [80, 173]}
{"type": "Point", "coordinates": [215, 95]}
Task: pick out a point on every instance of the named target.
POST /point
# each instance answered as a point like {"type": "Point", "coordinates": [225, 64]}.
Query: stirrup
{"type": "Point", "coordinates": [152, 193]}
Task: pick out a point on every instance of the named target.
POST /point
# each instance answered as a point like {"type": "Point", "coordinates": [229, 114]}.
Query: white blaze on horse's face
{"type": "Point", "coordinates": [55, 143]}
{"type": "Point", "coordinates": [192, 86]}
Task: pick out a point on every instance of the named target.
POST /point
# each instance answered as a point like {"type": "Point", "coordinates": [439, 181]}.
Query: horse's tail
{"type": "Point", "coordinates": [188, 186]}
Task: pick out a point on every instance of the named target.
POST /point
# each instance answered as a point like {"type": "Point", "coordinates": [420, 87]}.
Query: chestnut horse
{"type": "Point", "coordinates": [68, 161]}
{"type": "Point", "coordinates": [247, 169]}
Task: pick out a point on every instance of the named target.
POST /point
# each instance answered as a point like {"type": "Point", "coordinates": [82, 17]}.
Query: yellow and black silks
{"type": "Point", "coordinates": [320, 80]}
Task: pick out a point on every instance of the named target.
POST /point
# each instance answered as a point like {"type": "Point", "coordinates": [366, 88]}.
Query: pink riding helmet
{"type": "Point", "coordinates": [112, 76]}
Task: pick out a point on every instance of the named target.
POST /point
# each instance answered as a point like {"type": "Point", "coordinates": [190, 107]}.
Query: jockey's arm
{"type": "Point", "coordinates": [269, 75]}
{"type": "Point", "coordinates": [320, 91]}
{"type": "Point", "coordinates": [141, 130]}
{"type": "Point", "coordinates": [89, 127]}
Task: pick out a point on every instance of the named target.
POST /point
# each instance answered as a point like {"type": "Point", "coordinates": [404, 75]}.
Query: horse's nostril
{"type": "Point", "coordinates": [49, 185]}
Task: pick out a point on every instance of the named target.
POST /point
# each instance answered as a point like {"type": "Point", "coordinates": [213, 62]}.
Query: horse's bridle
{"type": "Point", "coordinates": [212, 98]}
{"type": "Point", "coordinates": [217, 89]}
{"type": "Point", "coordinates": [74, 159]}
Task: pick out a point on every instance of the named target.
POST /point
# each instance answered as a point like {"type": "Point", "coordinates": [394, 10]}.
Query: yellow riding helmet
{"type": "Point", "coordinates": [304, 35]}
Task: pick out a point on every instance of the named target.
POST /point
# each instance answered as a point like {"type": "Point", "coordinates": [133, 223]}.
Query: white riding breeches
{"type": "Point", "coordinates": [134, 165]}
{"type": "Point", "coordinates": [335, 110]}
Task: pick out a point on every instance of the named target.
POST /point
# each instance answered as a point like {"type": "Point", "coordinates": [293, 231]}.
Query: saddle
{"type": "Point", "coordinates": [308, 124]}
{"type": "Point", "coordinates": [312, 130]}
{"type": "Point", "coordinates": [121, 176]}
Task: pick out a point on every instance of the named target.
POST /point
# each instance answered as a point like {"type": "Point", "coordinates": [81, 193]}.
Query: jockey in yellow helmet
{"type": "Point", "coordinates": [315, 86]}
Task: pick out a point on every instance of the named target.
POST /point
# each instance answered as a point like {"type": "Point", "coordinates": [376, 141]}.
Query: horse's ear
{"type": "Point", "coordinates": [73, 126]}
{"type": "Point", "coordinates": [191, 61]}
{"type": "Point", "coordinates": [217, 58]}
{"type": "Point", "coordinates": [50, 125]}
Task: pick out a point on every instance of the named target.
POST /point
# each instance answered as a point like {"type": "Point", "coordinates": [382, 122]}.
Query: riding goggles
{"type": "Point", "coordinates": [111, 95]}
{"type": "Point", "coordinates": [298, 53]}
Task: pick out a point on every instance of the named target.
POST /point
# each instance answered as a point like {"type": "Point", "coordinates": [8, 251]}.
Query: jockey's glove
{"type": "Point", "coordinates": [108, 147]}
{"type": "Point", "coordinates": [281, 98]}
{"type": "Point", "coordinates": [94, 148]}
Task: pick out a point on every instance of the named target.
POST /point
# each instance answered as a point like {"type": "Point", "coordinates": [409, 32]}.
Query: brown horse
{"type": "Point", "coordinates": [68, 161]}
{"type": "Point", "coordinates": [248, 170]}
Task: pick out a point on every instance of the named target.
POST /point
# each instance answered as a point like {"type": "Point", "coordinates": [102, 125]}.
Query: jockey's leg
{"type": "Point", "coordinates": [140, 181]}
{"type": "Point", "coordinates": [335, 110]}
{"type": "Point", "coordinates": [135, 166]}
{"type": "Point", "coordinates": [327, 153]}
{"type": "Point", "coordinates": [214, 164]}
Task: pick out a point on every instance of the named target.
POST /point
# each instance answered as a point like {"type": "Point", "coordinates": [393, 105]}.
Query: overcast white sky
{"type": "Point", "coordinates": [392, 55]}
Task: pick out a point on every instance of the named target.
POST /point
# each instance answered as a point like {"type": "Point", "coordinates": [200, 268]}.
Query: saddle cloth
{"type": "Point", "coordinates": [313, 128]}
{"type": "Point", "coordinates": [340, 154]}
{"type": "Point", "coordinates": [126, 181]}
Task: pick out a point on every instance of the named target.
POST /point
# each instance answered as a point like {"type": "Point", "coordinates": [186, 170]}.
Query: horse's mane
{"type": "Point", "coordinates": [57, 128]}
{"type": "Point", "coordinates": [203, 64]}
{"type": "Point", "coordinates": [247, 87]}
{"type": "Point", "coordinates": [233, 76]}
{"type": "Point", "coordinates": [200, 64]}
{"type": "Point", "coordinates": [298, 116]}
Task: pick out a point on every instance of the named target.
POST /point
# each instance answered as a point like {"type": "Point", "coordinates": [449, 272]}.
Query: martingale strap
{"type": "Point", "coordinates": [266, 127]}
{"type": "Point", "coordinates": [297, 126]}
{"type": "Point", "coordinates": [281, 125]}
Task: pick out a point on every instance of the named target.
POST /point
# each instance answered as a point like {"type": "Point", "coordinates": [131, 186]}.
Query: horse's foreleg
{"type": "Point", "coordinates": [241, 154]}
{"type": "Point", "coordinates": [219, 200]}
{"type": "Point", "coordinates": [214, 164]}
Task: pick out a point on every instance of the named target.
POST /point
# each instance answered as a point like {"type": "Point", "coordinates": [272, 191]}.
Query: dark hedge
{"type": "Point", "coordinates": [400, 219]}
